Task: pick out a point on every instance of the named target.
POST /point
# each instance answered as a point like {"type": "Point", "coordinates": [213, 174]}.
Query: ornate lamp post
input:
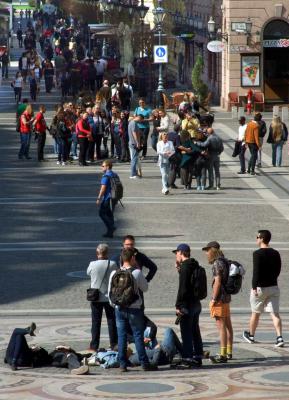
{"type": "Point", "coordinates": [159, 15]}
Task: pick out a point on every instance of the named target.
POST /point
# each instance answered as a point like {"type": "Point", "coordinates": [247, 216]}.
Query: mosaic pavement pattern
{"type": "Point", "coordinates": [257, 371]}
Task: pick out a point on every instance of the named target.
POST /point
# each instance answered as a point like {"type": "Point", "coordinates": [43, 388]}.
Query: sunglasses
{"type": "Point", "coordinates": [258, 237]}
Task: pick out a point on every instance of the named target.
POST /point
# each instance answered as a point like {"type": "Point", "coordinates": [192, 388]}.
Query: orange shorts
{"type": "Point", "coordinates": [220, 309]}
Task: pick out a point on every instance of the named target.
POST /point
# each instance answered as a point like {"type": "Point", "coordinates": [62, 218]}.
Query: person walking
{"type": "Point", "coordinates": [104, 200]}
{"type": "Point", "coordinates": [241, 139]}
{"type": "Point", "coordinates": [5, 60]}
{"type": "Point", "coordinates": [262, 132]}
{"type": "Point", "coordinates": [26, 121]}
{"type": "Point", "coordinates": [265, 293]}
{"type": "Point", "coordinates": [278, 135]}
{"type": "Point", "coordinates": [99, 272]}
{"type": "Point", "coordinates": [40, 130]}
{"type": "Point", "coordinates": [165, 149]}
{"type": "Point", "coordinates": [252, 141]}
{"type": "Point", "coordinates": [220, 302]}
{"type": "Point", "coordinates": [17, 85]}
{"type": "Point", "coordinates": [134, 144]}
{"type": "Point", "coordinates": [144, 125]}
{"type": "Point", "coordinates": [188, 308]}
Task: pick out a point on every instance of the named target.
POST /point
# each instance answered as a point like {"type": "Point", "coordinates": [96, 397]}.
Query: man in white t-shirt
{"type": "Point", "coordinates": [241, 138]}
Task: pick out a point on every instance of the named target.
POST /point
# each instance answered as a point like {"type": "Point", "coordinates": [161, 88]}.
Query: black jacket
{"type": "Point", "coordinates": [142, 261]}
{"type": "Point", "coordinates": [184, 297]}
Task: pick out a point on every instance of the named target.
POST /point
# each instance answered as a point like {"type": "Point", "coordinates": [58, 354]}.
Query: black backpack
{"type": "Point", "coordinates": [116, 188]}
{"type": "Point", "coordinates": [236, 271]}
{"type": "Point", "coordinates": [199, 283]}
{"type": "Point", "coordinates": [122, 288]}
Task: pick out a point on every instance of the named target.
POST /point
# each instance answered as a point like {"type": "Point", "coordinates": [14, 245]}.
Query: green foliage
{"type": "Point", "coordinates": [200, 88]}
{"type": "Point", "coordinates": [32, 3]}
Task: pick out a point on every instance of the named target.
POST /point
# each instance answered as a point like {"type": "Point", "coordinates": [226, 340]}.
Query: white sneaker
{"type": "Point", "coordinates": [63, 163]}
{"type": "Point", "coordinates": [75, 158]}
{"type": "Point", "coordinates": [58, 163]}
{"type": "Point", "coordinates": [134, 177]}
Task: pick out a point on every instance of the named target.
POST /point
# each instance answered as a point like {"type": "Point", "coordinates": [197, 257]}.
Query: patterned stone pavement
{"type": "Point", "coordinates": [257, 371]}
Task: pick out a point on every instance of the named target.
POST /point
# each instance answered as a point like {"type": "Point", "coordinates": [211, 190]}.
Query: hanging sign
{"type": "Point", "coordinates": [215, 46]}
{"type": "Point", "coordinates": [276, 43]}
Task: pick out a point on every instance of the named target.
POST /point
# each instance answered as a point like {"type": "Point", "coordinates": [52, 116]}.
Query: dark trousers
{"type": "Point", "coordinates": [95, 144]}
{"type": "Point", "coordinates": [106, 214]}
{"type": "Point", "coordinates": [124, 149]}
{"type": "Point", "coordinates": [253, 159]}
{"type": "Point", "coordinates": [242, 159]}
{"type": "Point", "coordinates": [41, 138]}
{"type": "Point", "coordinates": [99, 80]}
{"type": "Point", "coordinates": [187, 175]}
{"type": "Point", "coordinates": [5, 71]}
{"type": "Point", "coordinates": [83, 146]}
{"type": "Point", "coordinates": [96, 316]}
{"type": "Point", "coordinates": [144, 140]}
{"type": "Point", "coordinates": [62, 149]}
{"type": "Point", "coordinates": [18, 351]}
{"type": "Point", "coordinates": [190, 332]}
{"type": "Point", "coordinates": [172, 174]}
{"type": "Point", "coordinates": [62, 359]}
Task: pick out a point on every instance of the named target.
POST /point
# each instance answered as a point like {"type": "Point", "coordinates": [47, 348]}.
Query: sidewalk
{"type": "Point", "coordinates": [257, 371]}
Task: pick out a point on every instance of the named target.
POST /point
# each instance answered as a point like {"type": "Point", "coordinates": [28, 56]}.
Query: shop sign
{"type": "Point", "coordinates": [250, 70]}
{"type": "Point", "coordinates": [276, 43]}
{"type": "Point", "coordinates": [215, 46]}
{"type": "Point", "coordinates": [241, 48]}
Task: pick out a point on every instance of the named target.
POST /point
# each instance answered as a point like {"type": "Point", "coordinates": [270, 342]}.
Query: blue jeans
{"type": "Point", "coordinates": [18, 351]}
{"type": "Point", "coordinates": [74, 145]}
{"type": "Point", "coordinates": [253, 159]}
{"type": "Point", "coordinates": [277, 153]}
{"type": "Point", "coordinates": [171, 344]}
{"type": "Point", "coordinates": [214, 167]}
{"type": "Point", "coordinates": [25, 144]}
{"type": "Point", "coordinates": [165, 169]}
{"type": "Point", "coordinates": [134, 160]}
{"type": "Point", "coordinates": [106, 214]}
{"type": "Point", "coordinates": [135, 318]}
{"type": "Point", "coordinates": [190, 332]}
{"type": "Point", "coordinates": [62, 150]}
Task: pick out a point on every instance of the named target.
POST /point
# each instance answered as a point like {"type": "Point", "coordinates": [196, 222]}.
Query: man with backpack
{"type": "Point", "coordinates": [110, 193]}
{"type": "Point", "coordinates": [188, 305]}
{"type": "Point", "coordinates": [123, 289]}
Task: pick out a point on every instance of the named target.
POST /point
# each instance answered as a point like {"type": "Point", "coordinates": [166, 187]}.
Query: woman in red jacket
{"type": "Point", "coordinates": [26, 121]}
{"type": "Point", "coordinates": [83, 134]}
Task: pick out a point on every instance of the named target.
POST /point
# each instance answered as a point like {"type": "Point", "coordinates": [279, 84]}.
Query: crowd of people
{"type": "Point", "coordinates": [118, 285]}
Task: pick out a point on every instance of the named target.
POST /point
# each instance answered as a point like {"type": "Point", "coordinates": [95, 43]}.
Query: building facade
{"type": "Point", "coordinates": [187, 36]}
{"type": "Point", "coordinates": [256, 59]}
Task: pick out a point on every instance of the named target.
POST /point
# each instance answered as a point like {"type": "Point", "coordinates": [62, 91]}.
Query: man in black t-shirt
{"type": "Point", "coordinates": [265, 293]}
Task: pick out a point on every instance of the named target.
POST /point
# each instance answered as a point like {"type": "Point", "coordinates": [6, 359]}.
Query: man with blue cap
{"type": "Point", "coordinates": [188, 307]}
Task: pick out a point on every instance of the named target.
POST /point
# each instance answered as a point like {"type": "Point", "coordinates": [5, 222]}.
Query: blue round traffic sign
{"type": "Point", "coordinates": [160, 51]}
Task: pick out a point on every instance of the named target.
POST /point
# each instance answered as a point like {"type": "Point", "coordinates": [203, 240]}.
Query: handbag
{"type": "Point", "coordinates": [93, 294]}
{"type": "Point", "coordinates": [175, 158]}
{"type": "Point", "coordinates": [237, 148]}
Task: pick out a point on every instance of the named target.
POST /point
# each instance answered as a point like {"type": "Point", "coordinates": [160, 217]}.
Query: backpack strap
{"type": "Point", "coordinates": [105, 272]}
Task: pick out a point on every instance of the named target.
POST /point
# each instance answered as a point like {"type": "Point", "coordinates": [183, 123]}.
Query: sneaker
{"type": "Point", "coordinates": [14, 367]}
{"type": "Point", "coordinates": [31, 329]}
{"type": "Point", "coordinates": [253, 173]}
{"type": "Point", "coordinates": [279, 342]}
{"type": "Point", "coordinates": [149, 367]}
{"type": "Point", "coordinates": [249, 338]}
{"type": "Point", "coordinates": [218, 187]}
{"type": "Point", "coordinates": [63, 163]}
{"type": "Point", "coordinates": [83, 370]}
{"type": "Point", "coordinates": [173, 186]}
{"type": "Point", "coordinates": [123, 369]}
{"type": "Point", "coordinates": [259, 165]}
{"type": "Point", "coordinates": [241, 172]}
{"type": "Point", "coordinates": [198, 187]}
{"type": "Point", "coordinates": [134, 177]}
{"type": "Point", "coordinates": [202, 188]}
{"type": "Point", "coordinates": [166, 192]}
{"type": "Point", "coordinates": [75, 157]}
{"type": "Point", "coordinates": [58, 163]}
{"type": "Point", "coordinates": [229, 356]}
{"type": "Point", "coordinates": [218, 359]}
{"type": "Point", "coordinates": [209, 188]}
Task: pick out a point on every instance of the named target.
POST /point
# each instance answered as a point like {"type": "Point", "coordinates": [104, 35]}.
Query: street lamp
{"type": "Point", "coordinates": [159, 15]}
{"type": "Point", "coordinates": [104, 6]}
{"type": "Point", "coordinates": [215, 33]}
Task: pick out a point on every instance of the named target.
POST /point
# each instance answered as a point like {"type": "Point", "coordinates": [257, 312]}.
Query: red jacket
{"type": "Point", "coordinates": [40, 124]}
{"type": "Point", "coordinates": [25, 128]}
{"type": "Point", "coordinates": [83, 129]}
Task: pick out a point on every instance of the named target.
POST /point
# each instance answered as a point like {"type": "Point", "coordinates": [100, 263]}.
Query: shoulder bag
{"type": "Point", "coordinates": [93, 294]}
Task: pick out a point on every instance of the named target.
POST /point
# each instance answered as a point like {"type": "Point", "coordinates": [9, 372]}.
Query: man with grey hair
{"type": "Point", "coordinates": [99, 272]}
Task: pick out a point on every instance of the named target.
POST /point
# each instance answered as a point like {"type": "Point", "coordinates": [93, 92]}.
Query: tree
{"type": "Point", "coordinates": [200, 88]}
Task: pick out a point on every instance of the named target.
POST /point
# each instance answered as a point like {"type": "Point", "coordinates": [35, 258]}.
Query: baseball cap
{"type": "Point", "coordinates": [182, 247]}
{"type": "Point", "coordinates": [213, 244]}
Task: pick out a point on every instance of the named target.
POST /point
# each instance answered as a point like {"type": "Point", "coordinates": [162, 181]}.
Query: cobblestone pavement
{"type": "Point", "coordinates": [257, 371]}
{"type": "Point", "coordinates": [49, 231]}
